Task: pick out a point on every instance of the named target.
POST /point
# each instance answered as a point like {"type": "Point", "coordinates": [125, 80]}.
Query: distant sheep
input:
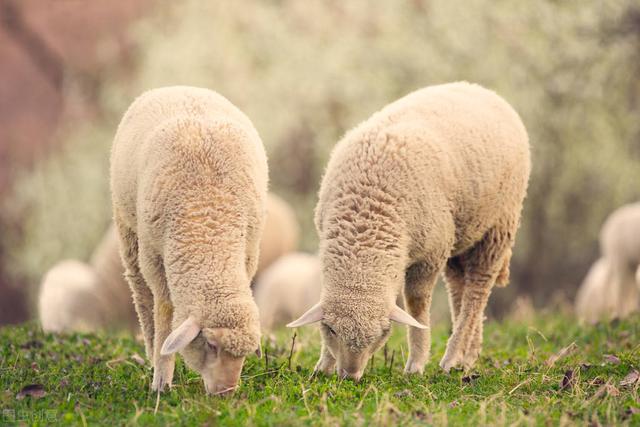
{"type": "Point", "coordinates": [288, 288]}
{"type": "Point", "coordinates": [76, 297]}
{"type": "Point", "coordinates": [612, 287]}
{"type": "Point", "coordinates": [189, 183]}
{"type": "Point", "coordinates": [434, 181]}
{"type": "Point", "coordinates": [280, 232]}
{"type": "Point", "coordinates": [68, 301]}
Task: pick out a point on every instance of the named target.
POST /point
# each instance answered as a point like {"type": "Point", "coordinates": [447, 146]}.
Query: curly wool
{"type": "Point", "coordinates": [189, 181]}
{"type": "Point", "coordinates": [434, 181]}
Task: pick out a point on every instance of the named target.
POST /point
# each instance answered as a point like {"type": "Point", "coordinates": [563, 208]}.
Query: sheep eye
{"type": "Point", "coordinates": [212, 347]}
{"type": "Point", "coordinates": [331, 331]}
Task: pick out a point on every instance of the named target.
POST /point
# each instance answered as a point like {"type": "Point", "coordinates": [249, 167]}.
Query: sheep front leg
{"type": "Point", "coordinates": [163, 365]}
{"type": "Point", "coordinates": [327, 363]}
{"type": "Point", "coordinates": [420, 279]}
{"type": "Point", "coordinates": [142, 296]}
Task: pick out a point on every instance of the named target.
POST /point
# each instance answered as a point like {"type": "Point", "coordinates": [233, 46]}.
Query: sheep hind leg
{"type": "Point", "coordinates": [482, 264]}
{"type": "Point", "coordinates": [142, 295]}
{"type": "Point", "coordinates": [420, 279]}
{"type": "Point", "coordinates": [454, 277]}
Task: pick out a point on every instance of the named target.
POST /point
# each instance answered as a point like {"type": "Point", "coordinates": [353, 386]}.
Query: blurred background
{"type": "Point", "coordinates": [305, 72]}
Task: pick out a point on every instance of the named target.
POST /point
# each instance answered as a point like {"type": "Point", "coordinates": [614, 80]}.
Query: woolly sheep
{"type": "Point", "coordinates": [75, 296]}
{"type": "Point", "coordinates": [66, 292]}
{"type": "Point", "coordinates": [280, 234]}
{"type": "Point", "coordinates": [612, 287]}
{"type": "Point", "coordinates": [189, 183]}
{"type": "Point", "coordinates": [594, 301]}
{"type": "Point", "coordinates": [434, 181]}
{"type": "Point", "coordinates": [288, 288]}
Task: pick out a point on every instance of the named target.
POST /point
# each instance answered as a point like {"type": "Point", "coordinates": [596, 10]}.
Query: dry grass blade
{"type": "Point", "coordinates": [632, 378]}
{"type": "Point", "coordinates": [562, 353]}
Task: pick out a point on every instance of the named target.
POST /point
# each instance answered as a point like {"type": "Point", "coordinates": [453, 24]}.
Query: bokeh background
{"type": "Point", "coordinates": [305, 72]}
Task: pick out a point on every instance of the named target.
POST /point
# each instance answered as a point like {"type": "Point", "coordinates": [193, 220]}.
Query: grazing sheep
{"type": "Point", "coordinates": [189, 183]}
{"type": "Point", "coordinates": [612, 287]}
{"type": "Point", "coordinates": [434, 181]}
{"type": "Point", "coordinates": [594, 300]}
{"type": "Point", "coordinates": [113, 287]}
{"type": "Point", "coordinates": [280, 234]}
{"type": "Point", "coordinates": [68, 301]}
{"type": "Point", "coordinates": [78, 297]}
{"type": "Point", "coordinates": [288, 288]}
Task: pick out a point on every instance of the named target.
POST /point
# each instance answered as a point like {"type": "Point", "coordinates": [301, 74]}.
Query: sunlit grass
{"type": "Point", "coordinates": [90, 379]}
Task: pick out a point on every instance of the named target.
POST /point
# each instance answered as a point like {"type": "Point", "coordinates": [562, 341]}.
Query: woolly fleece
{"type": "Point", "coordinates": [434, 181]}
{"type": "Point", "coordinates": [189, 183]}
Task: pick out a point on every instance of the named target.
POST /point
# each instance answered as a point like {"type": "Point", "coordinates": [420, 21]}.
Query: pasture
{"type": "Point", "coordinates": [544, 370]}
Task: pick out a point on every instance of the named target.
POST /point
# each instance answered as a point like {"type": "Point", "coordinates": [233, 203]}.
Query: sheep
{"type": "Point", "coordinates": [189, 183]}
{"type": "Point", "coordinates": [79, 297]}
{"type": "Point", "coordinates": [434, 181]}
{"type": "Point", "coordinates": [68, 301]}
{"type": "Point", "coordinates": [280, 234]}
{"type": "Point", "coordinates": [288, 288]}
{"type": "Point", "coordinates": [612, 287]}
{"type": "Point", "coordinates": [108, 293]}
{"type": "Point", "coordinates": [593, 302]}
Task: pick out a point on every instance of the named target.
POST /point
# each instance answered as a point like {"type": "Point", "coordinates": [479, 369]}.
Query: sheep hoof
{"type": "Point", "coordinates": [325, 367]}
{"type": "Point", "coordinates": [414, 368]}
{"type": "Point", "coordinates": [159, 383]}
{"type": "Point", "coordinates": [470, 359]}
{"type": "Point", "coordinates": [449, 362]}
{"type": "Point", "coordinates": [162, 376]}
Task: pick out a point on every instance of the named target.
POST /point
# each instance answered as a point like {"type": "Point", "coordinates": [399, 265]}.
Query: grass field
{"type": "Point", "coordinates": [89, 379]}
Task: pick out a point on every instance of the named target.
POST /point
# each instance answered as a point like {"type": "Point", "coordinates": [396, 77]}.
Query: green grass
{"type": "Point", "coordinates": [91, 379]}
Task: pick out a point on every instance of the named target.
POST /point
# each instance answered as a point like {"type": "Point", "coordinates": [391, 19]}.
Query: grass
{"type": "Point", "coordinates": [89, 379]}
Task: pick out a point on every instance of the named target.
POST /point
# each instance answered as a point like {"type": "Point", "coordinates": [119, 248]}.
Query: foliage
{"type": "Point", "coordinates": [99, 379]}
{"type": "Point", "coordinates": [305, 72]}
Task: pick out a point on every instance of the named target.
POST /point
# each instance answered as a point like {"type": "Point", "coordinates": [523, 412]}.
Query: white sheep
{"type": "Point", "coordinates": [612, 286]}
{"type": "Point", "coordinates": [594, 299]}
{"type": "Point", "coordinates": [189, 183]}
{"type": "Point", "coordinates": [66, 291]}
{"type": "Point", "coordinates": [79, 297]}
{"type": "Point", "coordinates": [286, 289]}
{"type": "Point", "coordinates": [434, 181]}
{"type": "Point", "coordinates": [280, 234]}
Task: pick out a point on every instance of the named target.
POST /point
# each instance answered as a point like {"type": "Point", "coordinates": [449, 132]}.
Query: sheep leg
{"type": "Point", "coordinates": [482, 264]}
{"type": "Point", "coordinates": [163, 365]}
{"type": "Point", "coordinates": [625, 290]}
{"type": "Point", "coordinates": [142, 295]}
{"type": "Point", "coordinates": [420, 279]}
{"type": "Point", "coordinates": [454, 275]}
{"type": "Point", "coordinates": [327, 363]}
{"type": "Point", "coordinates": [454, 279]}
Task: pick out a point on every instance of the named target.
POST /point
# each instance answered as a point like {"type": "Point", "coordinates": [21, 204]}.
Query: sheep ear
{"type": "Point", "coordinates": [401, 316]}
{"type": "Point", "coordinates": [259, 351]}
{"type": "Point", "coordinates": [314, 314]}
{"type": "Point", "coordinates": [181, 336]}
